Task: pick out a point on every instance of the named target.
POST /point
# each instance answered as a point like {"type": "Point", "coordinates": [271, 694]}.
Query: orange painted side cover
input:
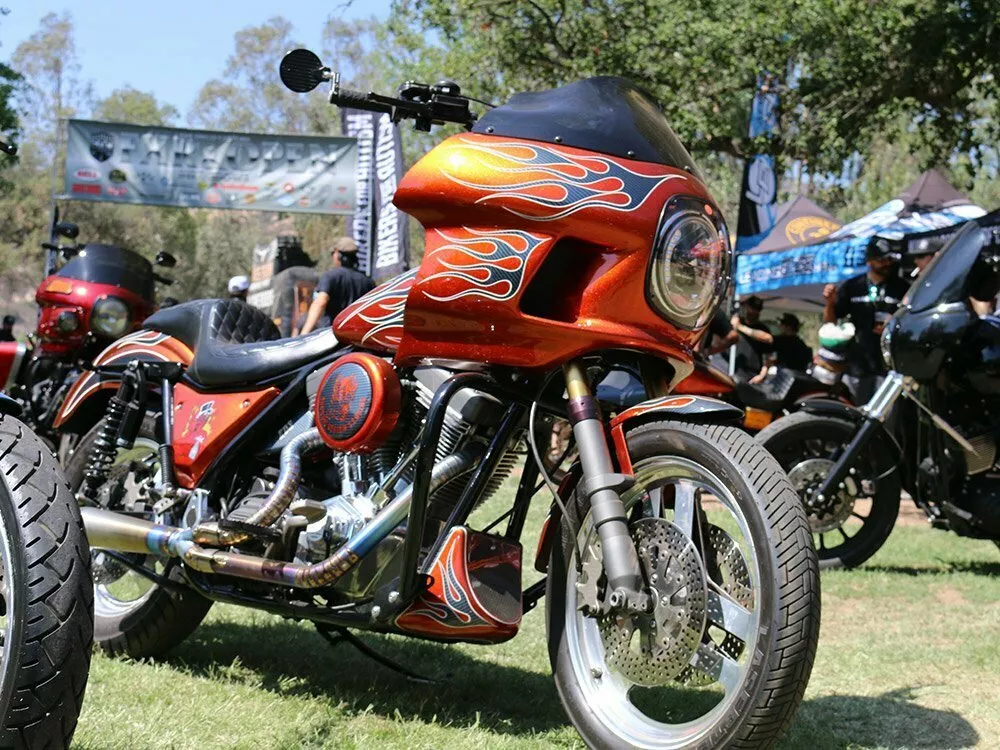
{"type": "Point", "coordinates": [205, 423]}
{"type": "Point", "coordinates": [494, 209]}
{"type": "Point", "coordinates": [149, 346]}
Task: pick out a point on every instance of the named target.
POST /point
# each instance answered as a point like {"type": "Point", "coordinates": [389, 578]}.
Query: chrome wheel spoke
{"type": "Point", "coordinates": [728, 614]}
{"type": "Point", "coordinates": [685, 500]}
{"type": "Point", "coordinates": [719, 667]}
{"type": "Point", "coordinates": [656, 503]}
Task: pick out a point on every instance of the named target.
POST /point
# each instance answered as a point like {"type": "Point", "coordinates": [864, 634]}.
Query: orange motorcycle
{"type": "Point", "coordinates": [333, 477]}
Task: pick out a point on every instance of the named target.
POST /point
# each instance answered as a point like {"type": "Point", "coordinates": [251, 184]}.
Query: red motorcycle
{"type": "Point", "coordinates": [97, 294]}
{"type": "Point", "coordinates": [333, 477]}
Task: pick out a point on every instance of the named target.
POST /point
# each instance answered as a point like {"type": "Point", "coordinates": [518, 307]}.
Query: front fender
{"type": "Point", "coordinates": [89, 394]}
{"type": "Point", "coordinates": [679, 408]}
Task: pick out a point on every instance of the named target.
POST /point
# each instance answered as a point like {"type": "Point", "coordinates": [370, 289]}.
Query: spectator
{"type": "Point", "coordinates": [7, 330]}
{"type": "Point", "coordinates": [338, 287]}
{"type": "Point", "coordinates": [790, 350]}
{"type": "Point", "coordinates": [721, 334]}
{"type": "Point", "coordinates": [868, 300]}
{"type": "Point", "coordinates": [755, 341]}
{"type": "Point", "coordinates": [238, 287]}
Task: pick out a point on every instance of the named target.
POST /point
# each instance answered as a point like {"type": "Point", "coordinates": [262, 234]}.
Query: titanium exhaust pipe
{"type": "Point", "coordinates": [287, 484]}
{"type": "Point", "coordinates": [119, 533]}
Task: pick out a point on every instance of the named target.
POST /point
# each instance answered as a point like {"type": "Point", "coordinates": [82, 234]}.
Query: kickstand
{"type": "Point", "coordinates": [335, 635]}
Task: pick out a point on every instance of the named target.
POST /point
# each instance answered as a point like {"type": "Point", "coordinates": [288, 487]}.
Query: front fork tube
{"type": "Point", "coordinates": [601, 484]}
{"type": "Point", "coordinates": [876, 411]}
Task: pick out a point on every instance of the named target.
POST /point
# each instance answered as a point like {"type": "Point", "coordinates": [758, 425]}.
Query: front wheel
{"type": "Point", "coordinates": [851, 526]}
{"type": "Point", "coordinates": [724, 657]}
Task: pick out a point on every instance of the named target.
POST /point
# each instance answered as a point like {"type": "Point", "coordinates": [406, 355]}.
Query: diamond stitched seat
{"type": "Point", "coordinates": [235, 343]}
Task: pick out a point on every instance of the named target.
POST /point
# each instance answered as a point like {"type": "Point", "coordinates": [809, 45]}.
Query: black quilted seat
{"type": "Point", "coordinates": [769, 395]}
{"type": "Point", "coordinates": [235, 343]}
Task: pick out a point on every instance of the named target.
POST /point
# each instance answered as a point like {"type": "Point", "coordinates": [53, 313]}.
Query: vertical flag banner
{"type": "Point", "coordinates": [759, 191]}
{"type": "Point", "coordinates": [378, 227]}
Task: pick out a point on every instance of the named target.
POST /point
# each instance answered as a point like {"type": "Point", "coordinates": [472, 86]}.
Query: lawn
{"type": "Point", "coordinates": [909, 657]}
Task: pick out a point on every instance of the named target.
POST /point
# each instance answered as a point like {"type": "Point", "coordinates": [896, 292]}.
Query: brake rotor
{"type": "Point", "coordinates": [807, 476]}
{"type": "Point", "coordinates": [649, 649]}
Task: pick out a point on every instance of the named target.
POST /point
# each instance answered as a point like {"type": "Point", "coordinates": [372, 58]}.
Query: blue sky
{"type": "Point", "coordinates": [169, 48]}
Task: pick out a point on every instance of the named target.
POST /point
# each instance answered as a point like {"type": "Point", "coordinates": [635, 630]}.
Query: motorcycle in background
{"type": "Point", "coordinates": [332, 477]}
{"type": "Point", "coordinates": [46, 592]}
{"type": "Point", "coordinates": [850, 465]}
{"type": "Point", "coordinates": [98, 294]}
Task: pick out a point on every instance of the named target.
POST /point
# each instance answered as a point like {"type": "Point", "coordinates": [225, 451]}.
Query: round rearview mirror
{"type": "Point", "coordinates": [165, 259]}
{"type": "Point", "coordinates": [301, 70]}
{"type": "Point", "coordinates": [67, 229]}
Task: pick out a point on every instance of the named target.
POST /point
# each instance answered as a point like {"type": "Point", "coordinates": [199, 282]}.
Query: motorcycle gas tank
{"type": "Point", "coordinates": [535, 253]}
{"type": "Point", "coordinates": [922, 342]}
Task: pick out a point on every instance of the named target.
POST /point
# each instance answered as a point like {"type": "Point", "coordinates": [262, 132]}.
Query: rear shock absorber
{"type": "Point", "coordinates": [105, 449]}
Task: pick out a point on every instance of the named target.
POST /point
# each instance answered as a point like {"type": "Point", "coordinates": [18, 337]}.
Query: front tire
{"type": "Point", "coordinates": [133, 616]}
{"type": "Point", "coordinates": [806, 446]}
{"type": "Point", "coordinates": [748, 550]}
{"type": "Point", "coordinates": [47, 596]}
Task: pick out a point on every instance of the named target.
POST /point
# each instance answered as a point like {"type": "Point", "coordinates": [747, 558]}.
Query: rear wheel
{"type": "Point", "coordinates": [132, 615]}
{"type": "Point", "coordinates": [851, 526]}
{"type": "Point", "coordinates": [724, 657]}
{"type": "Point", "coordinates": [47, 596]}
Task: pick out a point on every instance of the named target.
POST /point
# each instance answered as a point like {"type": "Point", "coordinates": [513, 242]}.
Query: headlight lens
{"type": "Point", "coordinates": [110, 317]}
{"type": "Point", "coordinates": [690, 260]}
{"type": "Point", "coordinates": [68, 321]}
{"type": "Point", "coordinates": [885, 343]}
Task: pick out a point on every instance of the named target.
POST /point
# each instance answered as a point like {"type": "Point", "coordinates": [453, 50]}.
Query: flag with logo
{"type": "Point", "coordinates": [379, 228]}
{"type": "Point", "coordinates": [759, 191]}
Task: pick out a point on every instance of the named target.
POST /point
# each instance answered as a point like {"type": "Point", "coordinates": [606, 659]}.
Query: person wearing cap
{"type": "Point", "coordinates": [7, 330]}
{"type": "Point", "coordinates": [238, 287]}
{"type": "Point", "coordinates": [922, 252]}
{"type": "Point", "coordinates": [868, 300]}
{"type": "Point", "coordinates": [338, 287]}
{"type": "Point", "coordinates": [755, 341]}
{"type": "Point", "coordinates": [790, 350]}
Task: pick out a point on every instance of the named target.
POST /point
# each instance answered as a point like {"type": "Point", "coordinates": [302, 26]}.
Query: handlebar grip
{"type": "Point", "coordinates": [8, 148]}
{"type": "Point", "coordinates": [356, 100]}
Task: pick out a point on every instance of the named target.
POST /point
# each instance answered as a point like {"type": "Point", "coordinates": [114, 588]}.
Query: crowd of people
{"type": "Point", "coordinates": [866, 301]}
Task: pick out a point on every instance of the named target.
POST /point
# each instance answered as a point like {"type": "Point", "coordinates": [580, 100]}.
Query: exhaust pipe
{"type": "Point", "coordinates": [114, 531]}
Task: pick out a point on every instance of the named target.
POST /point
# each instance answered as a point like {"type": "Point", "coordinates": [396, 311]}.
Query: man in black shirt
{"type": "Point", "coordinates": [338, 287]}
{"type": "Point", "coordinates": [755, 341]}
{"type": "Point", "coordinates": [869, 300]}
{"type": "Point", "coordinates": [791, 351]}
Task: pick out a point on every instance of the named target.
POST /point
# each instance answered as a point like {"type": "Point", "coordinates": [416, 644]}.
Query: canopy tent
{"type": "Point", "coordinates": [799, 272]}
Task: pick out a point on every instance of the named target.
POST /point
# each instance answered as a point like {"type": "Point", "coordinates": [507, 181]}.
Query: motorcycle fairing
{"type": "Point", "coordinates": [145, 346]}
{"type": "Point", "coordinates": [206, 423]}
{"type": "Point", "coordinates": [56, 295]}
{"type": "Point", "coordinates": [503, 214]}
{"type": "Point", "coordinates": [474, 593]}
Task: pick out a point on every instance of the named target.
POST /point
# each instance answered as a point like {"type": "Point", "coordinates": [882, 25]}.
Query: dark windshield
{"type": "Point", "coordinates": [956, 273]}
{"type": "Point", "coordinates": [105, 264]}
{"type": "Point", "coordinates": [605, 114]}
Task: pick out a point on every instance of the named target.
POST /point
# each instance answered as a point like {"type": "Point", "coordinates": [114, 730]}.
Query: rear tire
{"type": "Point", "coordinates": [47, 596]}
{"type": "Point", "coordinates": [793, 440]}
{"type": "Point", "coordinates": [776, 657]}
{"type": "Point", "coordinates": [163, 618]}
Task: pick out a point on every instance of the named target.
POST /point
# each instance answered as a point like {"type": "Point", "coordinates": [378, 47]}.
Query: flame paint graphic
{"type": "Point", "coordinates": [383, 308]}
{"type": "Point", "coordinates": [490, 264]}
{"type": "Point", "coordinates": [457, 610]}
{"type": "Point", "coordinates": [551, 184]}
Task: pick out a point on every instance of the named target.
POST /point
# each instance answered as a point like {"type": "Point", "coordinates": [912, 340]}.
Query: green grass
{"type": "Point", "coordinates": [909, 657]}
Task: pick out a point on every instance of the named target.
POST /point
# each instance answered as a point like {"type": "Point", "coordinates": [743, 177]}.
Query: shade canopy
{"type": "Point", "coordinates": [799, 271]}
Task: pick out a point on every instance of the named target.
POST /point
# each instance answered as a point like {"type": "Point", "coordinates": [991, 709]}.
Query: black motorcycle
{"type": "Point", "coordinates": [931, 428]}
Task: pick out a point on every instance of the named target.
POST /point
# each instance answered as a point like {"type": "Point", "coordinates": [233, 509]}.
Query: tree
{"type": "Point", "coordinates": [857, 64]}
{"type": "Point", "coordinates": [8, 117]}
{"type": "Point", "coordinates": [130, 105]}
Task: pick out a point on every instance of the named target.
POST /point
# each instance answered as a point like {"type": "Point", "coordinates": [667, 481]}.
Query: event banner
{"type": "Point", "coordinates": [759, 190]}
{"type": "Point", "coordinates": [209, 169]}
{"type": "Point", "coordinates": [379, 228]}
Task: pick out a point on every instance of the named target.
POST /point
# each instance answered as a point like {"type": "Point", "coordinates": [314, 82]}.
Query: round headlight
{"type": "Point", "coordinates": [690, 260]}
{"type": "Point", "coordinates": [68, 321]}
{"type": "Point", "coordinates": [110, 317]}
